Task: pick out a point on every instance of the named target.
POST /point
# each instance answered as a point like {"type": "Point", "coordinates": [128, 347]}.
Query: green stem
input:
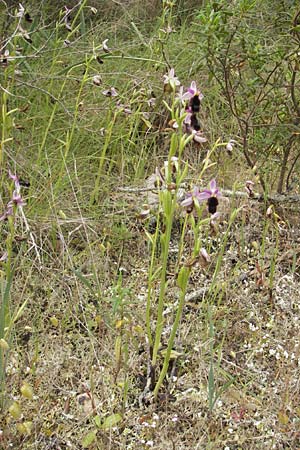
{"type": "Point", "coordinates": [150, 281]}
{"type": "Point", "coordinates": [170, 204]}
{"type": "Point", "coordinates": [185, 278]}
{"type": "Point", "coordinates": [5, 306]}
{"type": "Point", "coordinates": [95, 193]}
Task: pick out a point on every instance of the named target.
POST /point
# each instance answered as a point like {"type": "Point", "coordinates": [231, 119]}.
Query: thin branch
{"type": "Point", "coordinates": [293, 94]}
{"type": "Point", "coordinates": [276, 198]}
{"type": "Point", "coordinates": [45, 92]}
{"type": "Point", "coordinates": [287, 182]}
{"type": "Point", "coordinates": [34, 244]}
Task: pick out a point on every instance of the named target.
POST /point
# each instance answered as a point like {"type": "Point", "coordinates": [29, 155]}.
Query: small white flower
{"type": "Point", "coordinates": [230, 145]}
{"type": "Point", "coordinates": [110, 92]}
{"type": "Point", "coordinates": [170, 79]}
{"type": "Point", "coordinates": [174, 124]}
{"type": "Point", "coordinates": [97, 80]}
{"type": "Point", "coordinates": [151, 102]}
{"type": "Point", "coordinates": [182, 97]}
{"type": "Point", "coordinates": [205, 255]}
{"type": "Point", "coordinates": [249, 187]}
{"type": "Point", "coordinates": [198, 137]}
{"type": "Point", "coordinates": [105, 47]}
{"type": "Point", "coordinates": [21, 10]}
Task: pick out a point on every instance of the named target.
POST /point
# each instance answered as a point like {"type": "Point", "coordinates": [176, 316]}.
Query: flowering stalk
{"type": "Point", "coordinates": [168, 206]}
{"type": "Point", "coordinates": [168, 203]}
{"type": "Point", "coordinates": [170, 181]}
{"type": "Point", "coordinates": [16, 203]}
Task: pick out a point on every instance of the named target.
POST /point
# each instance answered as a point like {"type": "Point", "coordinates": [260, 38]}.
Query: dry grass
{"type": "Point", "coordinates": [72, 365]}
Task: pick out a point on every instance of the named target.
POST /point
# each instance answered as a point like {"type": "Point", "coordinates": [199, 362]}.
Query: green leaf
{"type": "Point", "coordinates": [173, 355]}
{"type": "Point", "coordinates": [97, 421]}
{"type": "Point", "coordinates": [88, 439]}
{"type": "Point", "coordinates": [183, 277]}
{"type": "Point", "coordinates": [118, 348]}
{"type": "Point", "coordinates": [111, 421]}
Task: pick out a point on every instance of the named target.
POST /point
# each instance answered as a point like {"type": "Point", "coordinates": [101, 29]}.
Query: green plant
{"type": "Point", "coordinates": [251, 69]}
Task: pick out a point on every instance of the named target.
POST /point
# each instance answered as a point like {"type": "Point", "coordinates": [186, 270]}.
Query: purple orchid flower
{"type": "Point", "coordinates": [16, 199]}
{"type": "Point", "coordinates": [191, 197]}
{"type": "Point", "coordinates": [208, 193]}
{"type": "Point", "coordinates": [205, 256]}
{"type": "Point", "coordinates": [192, 125]}
{"type": "Point", "coordinates": [112, 92]}
{"type": "Point", "coordinates": [193, 90]}
{"type": "Point", "coordinates": [211, 195]}
{"type": "Point", "coordinates": [105, 47]}
{"type": "Point", "coordinates": [188, 117]}
{"type": "Point", "coordinates": [97, 80]}
{"type": "Point", "coordinates": [190, 94]}
{"type": "Point", "coordinates": [249, 188]}
{"type": "Point", "coordinates": [15, 179]}
{"type": "Point", "coordinates": [194, 96]}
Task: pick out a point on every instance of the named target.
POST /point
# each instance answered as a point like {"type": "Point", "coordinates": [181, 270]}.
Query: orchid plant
{"type": "Point", "coordinates": [6, 317]}
{"type": "Point", "coordinates": [184, 107]}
